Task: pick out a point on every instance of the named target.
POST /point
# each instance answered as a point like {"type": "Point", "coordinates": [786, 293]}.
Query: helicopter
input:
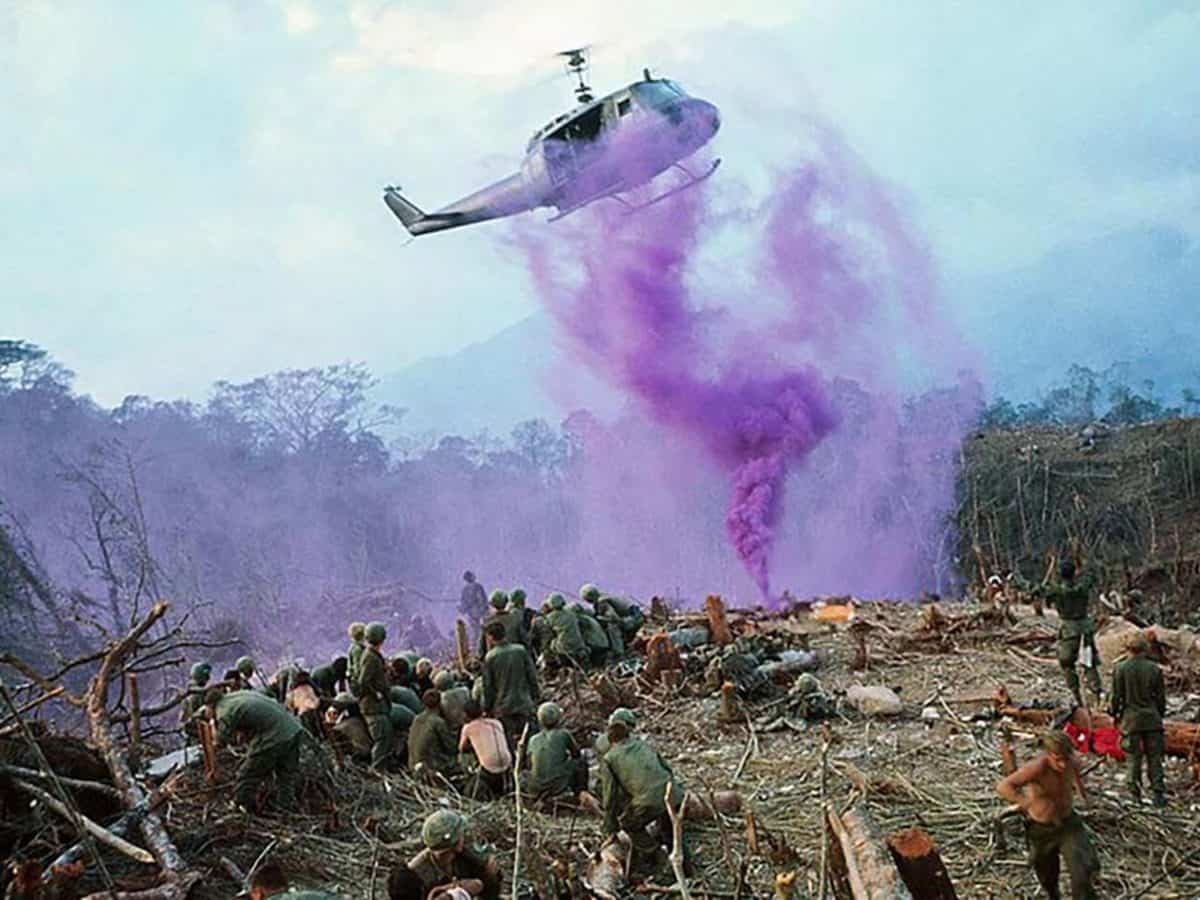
{"type": "Point", "coordinates": [602, 148]}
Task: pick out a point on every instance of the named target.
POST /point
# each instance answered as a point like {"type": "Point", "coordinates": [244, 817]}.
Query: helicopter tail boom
{"type": "Point", "coordinates": [412, 217]}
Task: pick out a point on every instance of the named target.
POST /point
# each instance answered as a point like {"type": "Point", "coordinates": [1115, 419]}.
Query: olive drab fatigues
{"type": "Point", "coordinates": [193, 701]}
{"type": "Point", "coordinates": [375, 704]}
{"type": "Point", "coordinates": [495, 616]}
{"type": "Point", "coordinates": [407, 697]}
{"type": "Point", "coordinates": [275, 737]}
{"type": "Point", "coordinates": [510, 689]}
{"type": "Point", "coordinates": [325, 680]}
{"type": "Point", "coordinates": [1069, 839]}
{"type": "Point", "coordinates": [562, 638]}
{"type": "Point", "coordinates": [473, 602]}
{"type": "Point", "coordinates": [555, 766]}
{"type": "Point", "coordinates": [633, 796]}
{"type": "Point", "coordinates": [1139, 701]}
{"type": "Point", "coordinates": [353, 660]}
{"type": "Point", "coordinates": [593, 633]}
{"type": "Point", "coordinates": [1075, 627]}
{"type": "Point", "coordinates": [431, 742]}
{"type": "Point", "coordinates": [468, 863]}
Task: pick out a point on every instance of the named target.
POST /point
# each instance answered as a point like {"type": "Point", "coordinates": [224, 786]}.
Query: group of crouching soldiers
{"type": "Point", "coordinates": [453, 728]}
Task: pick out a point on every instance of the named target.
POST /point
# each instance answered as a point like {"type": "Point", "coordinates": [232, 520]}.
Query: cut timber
{"type": "Point", "coordinates": [718, 622]}
{"type": "Point", "coordinates": [730, 710]}
{"type": "Point", "coordinates": [461, 645]}
{"type": "Point", "coordinates": [920, 865]}
{"type": "Point", "coordinates": [99, 832]}
{"type": "Point", "coordinates": [863, 858]}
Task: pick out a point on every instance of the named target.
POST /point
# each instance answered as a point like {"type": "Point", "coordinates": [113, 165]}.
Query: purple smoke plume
{"type": "Point", "coordinates": [843, 285]}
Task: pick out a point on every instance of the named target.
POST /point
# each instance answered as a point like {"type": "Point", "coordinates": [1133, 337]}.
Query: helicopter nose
{"type": "Point", "coordinates": [704, 117]}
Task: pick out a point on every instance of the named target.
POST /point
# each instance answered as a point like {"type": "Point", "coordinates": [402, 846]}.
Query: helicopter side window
{"type": "Point", "coordinates": [624, 105]}
{"type": "Point", "coordinates": [584, 127]}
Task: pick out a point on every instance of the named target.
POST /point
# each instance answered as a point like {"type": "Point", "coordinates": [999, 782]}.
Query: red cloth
{"type": "Point", "coordinates": [1105, 741]}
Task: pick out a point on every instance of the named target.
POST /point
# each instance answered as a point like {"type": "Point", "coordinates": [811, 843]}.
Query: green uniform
{"type": "Point", "coordinates": [325, 680]}
{"type": "Point", "coordinates": [468, 863]}
{"type": "Point", "coordinates": [516, 626]}
{"type": "Point", "coordinates": [593, 633]}
{"type": "Point", "coordinates": [633, 796]}
{"type": "Point", "coordinates": [555, 766]}
{"type": "Point", "coordinates": [1069, 839]}
{"type": "Point", "coordinates": [611, 623]}
{"type": "Point", "coordinates": [510, 688]}
{"type": "Point", "coordinates": [353, 658]}
{"type": "Point", "coordinates": [353, 731]}
{"type": "Point", "coordinates": [275, 737]}
{"type": "Point", "coordinates": [405, 696]}
{"type": "Point", "coordinates": [430, 742]}
{"type": "Point", "coordinates": [563, 639]}
{"type": "Point", "coordinates": [374, 702]}
{"type": "Point", "coordinates": [630, 614]}
{"type": "Point", "coordinates": [1075, 626]}
{"type": "Point", "coordinates": [193, 701]}
{"type": "Point", "coordinates": [1139, 701]}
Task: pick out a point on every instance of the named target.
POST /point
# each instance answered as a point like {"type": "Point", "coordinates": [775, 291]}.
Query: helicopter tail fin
{"type": "Point", "coordinates": [405, 210]}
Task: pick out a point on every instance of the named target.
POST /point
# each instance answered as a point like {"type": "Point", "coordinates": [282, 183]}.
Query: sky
{"type": "Point", "coordinates": [191, 192]}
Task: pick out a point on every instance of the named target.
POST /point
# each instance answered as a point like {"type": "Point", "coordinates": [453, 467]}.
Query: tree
{"type": "Point", "coordinates": [297, 410]}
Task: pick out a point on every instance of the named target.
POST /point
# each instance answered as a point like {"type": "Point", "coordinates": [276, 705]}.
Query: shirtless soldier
{"type": "Point", "coordinates": [1043, 790]}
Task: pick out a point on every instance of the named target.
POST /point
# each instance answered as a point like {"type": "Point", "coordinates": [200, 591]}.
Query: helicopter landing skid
{"type": "Point", "coordinates": [692, 181]}
{"type": "Point", "coordinates": [631, 208]}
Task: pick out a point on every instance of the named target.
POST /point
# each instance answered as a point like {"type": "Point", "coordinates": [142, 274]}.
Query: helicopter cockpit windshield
{"type": "Point", "coordinates": [656, 94]}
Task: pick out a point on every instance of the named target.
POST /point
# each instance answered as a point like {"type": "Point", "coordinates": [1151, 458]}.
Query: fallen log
{"type": "Point", "coordinates": [175, 870]}
{"type": "Point", "coordinates": [99, 832]}
{"type": "Point", "coordinates": [76, 783]}
{"type": "Point", "coordinates": [920, 865]}
{"type": "Point", "coordinates": [862, 858]}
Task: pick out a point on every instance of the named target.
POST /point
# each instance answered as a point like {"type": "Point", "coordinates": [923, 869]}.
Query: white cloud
{"type": "Point", "coordinates": [300, 18]}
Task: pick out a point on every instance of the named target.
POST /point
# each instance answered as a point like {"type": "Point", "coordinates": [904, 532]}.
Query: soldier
{"type": "Point", "coordinates": [485, 737]}
{"type": "Point", "coordinates": [193, 699]}
{"type": "Point", "coordinates": [373, 697]}
{"type": "Point", "coordinates": [358, 635]}
{"type": "Point", "coordinates": [423, 675]}
{"type": "Point", "coordinates": [499, 603]}
{"type": "Point", "coordinates": [517, 618]}
{"type": "Point", "coordinates": [406, 697]}
{"type": "Point", "coordinates": [472, 603]}
{"type": "Point", "coordinates": [269, 881]}
{"type": "Point", "coordinates": [555, 763]}
{"type": "Point", "coordinates": [448, 860]}
{"type": "Point", "coordinates": [350, 730]}
{"type": "Point", "coordinates": [561, 639]}
{"type": "Point", "coordinates": [454, 700]}
{"type": "Point", "coordinates": [1043, 790]}
{"type": "Point", "coordinates": [431, 746]}
{"type": "Point", "coordinates": [304, 702]}
{"type": "Point", "coordinates": [274, 747]}
{"type": "Point", "coordinates": [280, 684]}
{"type": "Point", "coordinates": [510, 683]}
{"type": "Point", "coordinates": [1070, 597]}
{"type": "Point", "coordinates": [400, 673]}
{"type": "Point", "coordinates": [330, 680]}
{"type": "Point", "coordinates": [633, 789]}
{"type": "Point", "coordinates": [810, 701]}
{"type": "Point", "coordinates": [245, 668]}
{"type": "Point", "coordinates": [1139, 702]}
{"type": "Point", "coordinates": [593, 633]}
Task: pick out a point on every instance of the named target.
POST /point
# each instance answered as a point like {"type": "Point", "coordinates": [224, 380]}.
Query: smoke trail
{"type": "Point", "coordinates": [843, 285]}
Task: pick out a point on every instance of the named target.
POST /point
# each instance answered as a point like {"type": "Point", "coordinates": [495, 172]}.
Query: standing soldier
{"type": "Point", "coordinates": [499, 603]}
{"type": "Point", "coordinates": [1070, 597]}
{"type": "Point", "coordinates": [634, 787]}
{"type": "Point", "coordinates": [1139, 701]}
{"type": "Point", "coordinates": [1043, 790]}
{"type": "Point", "coordinates": [193, 700]}
{"type": "Point", "coordinates": [358, 634]}
{"type": "Point", "coordinates": [510, 683]}
{"type": "Point", "coordinates": [472, 604]}
{"type": "Point", "coordinates": [373, 697]}
{"type": "Point", "coordinates": [519, 618]}
{"type": "Point", "coordinates": [274, 748]}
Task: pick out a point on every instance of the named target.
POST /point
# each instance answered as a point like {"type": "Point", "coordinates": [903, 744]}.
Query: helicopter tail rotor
{"type": "Point", "coordinates": [404, 209]}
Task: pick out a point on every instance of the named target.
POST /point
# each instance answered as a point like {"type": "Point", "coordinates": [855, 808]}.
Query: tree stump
{"type": "Point", "coordinates": [718, 621]}
{"type": "Point", "coordinates": [920, 865]}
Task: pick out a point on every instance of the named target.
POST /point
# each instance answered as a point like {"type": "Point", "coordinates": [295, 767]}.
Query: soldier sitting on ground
{"type": "Point", "coordinates": [349, 728]}
{"type": "Point", "coordinates": [448, 860]}
{"type": "Point", "coordinates": [454, 700]}
{"type": "Point", "coordinates": [556, 767]}
{"type": "Point", "coordinates": [809, 701]}
{"type": "Point", "coordinates": [485, 737]}
{"type": "Point", "coordinates": [432, 750]}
